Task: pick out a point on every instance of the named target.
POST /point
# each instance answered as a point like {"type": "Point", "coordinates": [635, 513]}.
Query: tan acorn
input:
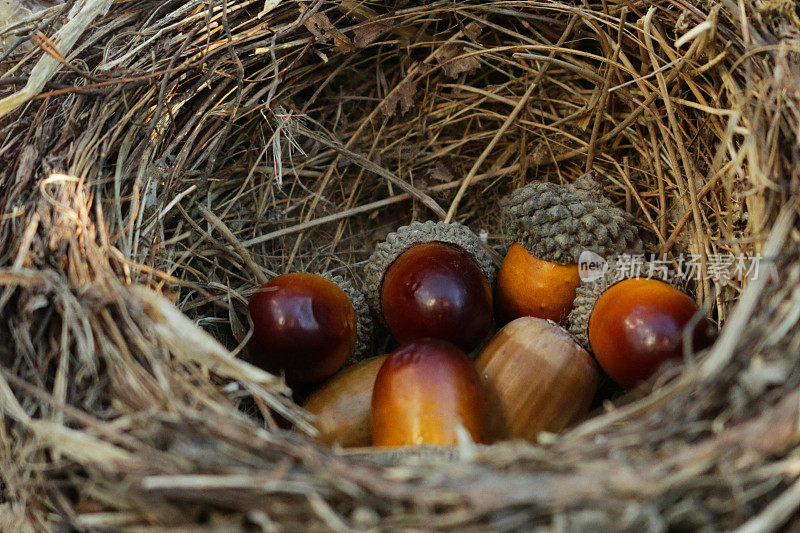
{"type": "Point", "coordinates": [537, 378]}
{"type": "Point", "coordinates": [342, 405]}
{"type": "Point", "coordinates": [547, 227]}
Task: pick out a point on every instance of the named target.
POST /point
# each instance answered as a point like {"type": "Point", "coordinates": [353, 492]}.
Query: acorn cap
{"type": "Point", "coordinates": [364, 322]}
{"type": "Point", "coordinates": [619, 268]}
{"type": "Point", "coordinates": [557, 223]}
{"type": "Point", "coordinates": [421, 233]}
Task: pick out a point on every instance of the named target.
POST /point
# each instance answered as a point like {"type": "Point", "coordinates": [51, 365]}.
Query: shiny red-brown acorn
{"type": "Point", "coordinates": [432, 280]}
{"type": "Point", "coordinates": [636, 325]}
{"type": "Point", "coordinates": [304, 326]}
{"type": "Point", "coordinates": [425, 391]}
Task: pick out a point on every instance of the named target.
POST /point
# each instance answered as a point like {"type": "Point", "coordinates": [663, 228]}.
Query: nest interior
{"type": "Point", "coordinates": [160, 159]}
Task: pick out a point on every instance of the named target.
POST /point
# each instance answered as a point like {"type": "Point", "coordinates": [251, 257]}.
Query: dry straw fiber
{"type": "Point", "coordinates": [159, 158]}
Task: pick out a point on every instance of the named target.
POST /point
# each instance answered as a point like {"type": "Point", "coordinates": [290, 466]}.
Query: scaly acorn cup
{"type": "Point", "coordinates": [432, 279]}
{"type": "Point", "coordinates": [547, 226]}
{"type": "Point", "coordinates": [364, 321]}
{"type": "Point", "coordinates": [307, 326]}
{"type": "Point", "coordinates": [633, 325]}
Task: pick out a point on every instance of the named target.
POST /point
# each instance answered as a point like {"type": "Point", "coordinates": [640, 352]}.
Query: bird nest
{"type": "Point", "coordinates": [162, 158]}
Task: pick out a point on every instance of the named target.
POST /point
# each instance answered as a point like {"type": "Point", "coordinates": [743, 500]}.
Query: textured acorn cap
{"type": "Point", "coordinates": [364, 322]}
{"type": "Point", "coordinates": [421, 233]}
{"type": "Point", "coordinates": [557, 222]}
{"type": "Point", "coordinates": [589, 291]}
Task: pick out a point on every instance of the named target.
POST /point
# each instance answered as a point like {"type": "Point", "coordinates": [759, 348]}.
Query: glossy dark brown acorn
{"type": "Point", "coordinates": [303, 325]}
{"type": "Point", "coordinates": [638, 324]}
{"type": "Point", "coordinates": [424, 391]}
{"type": "Point", "coordinates": [436, 290]}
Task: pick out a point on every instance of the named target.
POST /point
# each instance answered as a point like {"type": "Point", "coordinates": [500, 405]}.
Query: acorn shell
{"type": "Point", "coordinates": [589, 292]}
{"type": "Point", "coordinates": [364, 321]}
{"type": "Point", "coordinates": [421, 233]}
{"type": "Point", "coordinates": [557, 222]}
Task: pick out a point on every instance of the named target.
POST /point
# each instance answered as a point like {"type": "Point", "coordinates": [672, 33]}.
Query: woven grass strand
{"type": "Point", "coordinates": [158, 158]}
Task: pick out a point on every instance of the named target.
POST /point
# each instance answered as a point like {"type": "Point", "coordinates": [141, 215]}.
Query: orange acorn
{"type": "Point", "coordinates": [529, 286]}
{"type": "Point", "coordinates": [548, 227]}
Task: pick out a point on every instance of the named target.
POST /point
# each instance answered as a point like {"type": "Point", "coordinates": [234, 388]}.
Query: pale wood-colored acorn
{"type": "Point", "coordinates": [342, 405]}
{"type": "Point", "coordinates": [537, 378]}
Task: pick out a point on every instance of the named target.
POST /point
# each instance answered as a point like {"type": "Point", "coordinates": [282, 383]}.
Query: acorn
{"type": "Point", "coordinates": [425, 391]}
{"type": "Point", "coordinates": [342, 405]}
{"type": "Point", "coordinates": [537, 378]}
{"type": "Point", "coordinates": [635, 325]}
{"type": "Point", "coordinates": [432, 279]}
{"type": "Point", "coordinates": [307, 326]}
{"type": "Point", "coordinates": [547, 227]}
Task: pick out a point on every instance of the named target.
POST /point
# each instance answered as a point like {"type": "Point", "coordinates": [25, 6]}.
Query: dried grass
{"type": "Point", "coordinates": [169, 155]}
